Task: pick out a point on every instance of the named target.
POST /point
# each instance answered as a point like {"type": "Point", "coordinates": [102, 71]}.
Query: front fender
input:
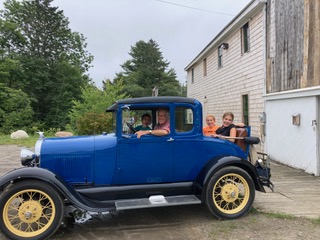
{"type": "Point", "coordinates": [27, 173]}
{"type": "Point", "coordinates": [223, 161]}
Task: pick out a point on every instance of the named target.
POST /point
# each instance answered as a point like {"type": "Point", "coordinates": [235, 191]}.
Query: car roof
{"type": "Point", "coordinates": [162, 99]}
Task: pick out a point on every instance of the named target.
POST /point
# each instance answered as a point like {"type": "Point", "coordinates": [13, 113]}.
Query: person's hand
{"type": "Point", "coordinates": [141, 133]}
{"type": "Point", "coordinates": [216, 135]}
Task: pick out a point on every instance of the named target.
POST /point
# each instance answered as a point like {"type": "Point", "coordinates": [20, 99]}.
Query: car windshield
{"type": "Point", "coordinates": [113, 122]}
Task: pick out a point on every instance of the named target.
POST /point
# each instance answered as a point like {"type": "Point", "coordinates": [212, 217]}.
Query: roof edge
{"type": "Point", "coordinates": [247, 12]}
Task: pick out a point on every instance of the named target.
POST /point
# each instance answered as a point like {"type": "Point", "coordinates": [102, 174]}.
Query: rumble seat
{"type": "Point", "coordinates": [241, 132]}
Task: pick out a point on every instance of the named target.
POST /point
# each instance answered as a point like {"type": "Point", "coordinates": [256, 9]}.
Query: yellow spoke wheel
{"type": "Point", "coordinates": [30, 210]}
{"type": "Point", "coordinates": [230, 193]}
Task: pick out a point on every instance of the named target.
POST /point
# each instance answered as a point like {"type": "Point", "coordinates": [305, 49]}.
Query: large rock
{"type": "Point", "coordinates": [20, 134]}
{"type": "Point", "coordinates": [63, 134]}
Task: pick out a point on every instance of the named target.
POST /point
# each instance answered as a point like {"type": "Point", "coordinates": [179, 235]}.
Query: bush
{"type": "Point", "coordinates": [15, 110]}
{"type": "Point", "coordinates": [89, 115]}
{"type": "Point", "coordinates": [94, 123]}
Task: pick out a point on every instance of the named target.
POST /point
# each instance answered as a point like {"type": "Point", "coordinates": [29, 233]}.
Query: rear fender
{"type": "Point", "coordinates": [35, 173]}
{"type": "Point", "coordinates": [218, 163]}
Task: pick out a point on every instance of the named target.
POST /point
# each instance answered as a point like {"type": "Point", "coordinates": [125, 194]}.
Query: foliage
{"type": "Point", "coordinates": [92, 123]}
{"type": "Point", "coordinates": [42, 56]}
{"type": "Point", "coordinates": [15, 110]}
{"type": "Point", "coordinates": [88, 116]}
{"type": "Point", "coordinates": [148, 70]}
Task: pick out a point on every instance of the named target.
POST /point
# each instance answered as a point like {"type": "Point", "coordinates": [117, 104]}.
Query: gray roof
{"type": "Point", "coordinates": [142, 100]}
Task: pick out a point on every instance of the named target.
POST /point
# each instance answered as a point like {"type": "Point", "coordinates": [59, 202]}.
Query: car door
{"type": "Point", "coordinates": [144, 160]}
{"type": "Point", "coordinates": [188, 143]}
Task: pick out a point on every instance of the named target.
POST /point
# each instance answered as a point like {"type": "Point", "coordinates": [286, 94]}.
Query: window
{"type": "Point", "coordinates": [192, 75]}
{"type": "Point", "coordinates": [245, 38]}
{"type": "Point", "coordinates": [245, 109]}
{"type": "Point", "coordinates": [205, 67]}
{"type": "Point", "coordinates": [220, 49]}
{"type": "Point", "coordinates": [183, 119]}
{"type": "Point", "coordinates": [132, 118]}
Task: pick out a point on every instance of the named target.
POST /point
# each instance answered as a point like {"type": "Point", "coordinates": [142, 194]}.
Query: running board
{"type": "Point", "coordinates": [156, 201]}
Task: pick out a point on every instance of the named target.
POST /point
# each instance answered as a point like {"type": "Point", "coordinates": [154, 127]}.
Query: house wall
{"type": "Point", "coordinates": [293, 83]}
{"type": "Point", "coordinates": [293, 38]}
{"type": "Point", "coordinates": [222, 89]}
{"type": "Point", "coordinates": [293, 145]}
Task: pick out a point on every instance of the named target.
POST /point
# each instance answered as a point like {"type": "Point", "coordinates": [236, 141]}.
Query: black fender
{"type": "Point", "coordinates": [223, 161]}
{"type": "Point", "coordinates": [36, 173]}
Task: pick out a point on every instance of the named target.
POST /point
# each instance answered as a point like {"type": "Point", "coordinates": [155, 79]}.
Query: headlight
{"type": "Point", "coordinates": [26, 156]}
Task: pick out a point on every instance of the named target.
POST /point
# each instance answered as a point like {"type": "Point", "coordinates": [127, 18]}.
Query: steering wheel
{"type": "Point", "coordinates": [131, 128]}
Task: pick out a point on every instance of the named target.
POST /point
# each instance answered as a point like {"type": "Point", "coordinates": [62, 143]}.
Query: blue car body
{"type": "Point", "coordinates": [117, 170]}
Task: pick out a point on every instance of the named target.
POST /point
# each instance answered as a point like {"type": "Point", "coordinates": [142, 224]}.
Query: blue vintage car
{"type": "Point", "coordinates": [117, 170]}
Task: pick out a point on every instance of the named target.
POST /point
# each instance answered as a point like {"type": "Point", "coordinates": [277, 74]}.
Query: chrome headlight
{"type": "Point", "coordinates": [26, 156]}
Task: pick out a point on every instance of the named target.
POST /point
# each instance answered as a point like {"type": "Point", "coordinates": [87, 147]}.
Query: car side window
{"type": "Point", "coordinates": [183, 119]}
{"type": "Point", "coordinates": [133, 119]}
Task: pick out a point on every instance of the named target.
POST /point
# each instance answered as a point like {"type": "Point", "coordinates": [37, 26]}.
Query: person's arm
{"type": "Point", "coordinates": [158, 132]}
{"type": "Point", "coordinates": [240, 125]}
{"type": "Point", "coordinates": [233, 134]}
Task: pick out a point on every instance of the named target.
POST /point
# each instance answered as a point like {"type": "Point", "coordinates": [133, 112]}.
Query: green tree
{"type": "Point", "coordinates": [88, 115]}
{"type": "Point", "coordinates": [15, 110]}
{"type": "Point", "coordinates": [147, 69]}
{"type": "Point", "coordinates": [51, 60]}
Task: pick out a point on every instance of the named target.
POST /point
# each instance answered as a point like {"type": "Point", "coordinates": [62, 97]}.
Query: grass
{"type": "Point", "coordinates": [316, 221]}
{"type": "Point", "coordinates": [256, 223]}
{"type": "Point", "coordinates": [280, 215]}
{"type": "Point", "coordinates": [27, 142]}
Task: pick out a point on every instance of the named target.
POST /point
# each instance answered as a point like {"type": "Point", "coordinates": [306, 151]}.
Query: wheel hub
{"type": "Point", "coordinates": [30, 211]}
{"type": "Point", "coordinates": [229, 192]}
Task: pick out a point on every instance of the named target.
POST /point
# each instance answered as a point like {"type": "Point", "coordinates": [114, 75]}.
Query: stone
{"type": "Point", "coordinates": [20, 134]}
{"type": "Point", "coordinates": [63, 134]}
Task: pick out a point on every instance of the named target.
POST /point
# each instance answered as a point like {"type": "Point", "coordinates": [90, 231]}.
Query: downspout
{"type": "Point", "coordinates": [265, 42]}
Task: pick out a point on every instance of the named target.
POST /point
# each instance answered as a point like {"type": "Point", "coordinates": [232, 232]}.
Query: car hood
{"type": "Point", "coordinates": [75, 158]}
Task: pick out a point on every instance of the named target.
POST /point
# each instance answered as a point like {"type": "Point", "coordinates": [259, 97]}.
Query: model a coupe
{"type": "Point", "coordinates": [118, 171]}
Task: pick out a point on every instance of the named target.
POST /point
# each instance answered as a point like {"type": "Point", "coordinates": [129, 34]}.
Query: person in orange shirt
{"type": "Point", "coordinates": [211, 128]}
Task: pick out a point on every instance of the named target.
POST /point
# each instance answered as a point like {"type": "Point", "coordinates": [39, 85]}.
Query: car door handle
{"type": "Point", "coordinates": [170, 139]}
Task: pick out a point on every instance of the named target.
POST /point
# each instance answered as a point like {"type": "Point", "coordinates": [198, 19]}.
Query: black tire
{"type": "Point", "coordinates": [230, 193]}
{"type": "Point", "coordinates": [30, 209]}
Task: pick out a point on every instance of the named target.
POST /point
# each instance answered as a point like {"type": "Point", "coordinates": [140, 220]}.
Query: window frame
{"type": "Point", "coordinates": [192, 75]}
{"type": "Point", "coordinates": [245, 109]}
{"type": "Point", "coordinates": [220, 54]}
{"type": "Point", "coordinates": [184, 118]}
{"type": "Point", "coordinates": [245, 38]}
{"type": "Point", "coordinates": [205, 67]}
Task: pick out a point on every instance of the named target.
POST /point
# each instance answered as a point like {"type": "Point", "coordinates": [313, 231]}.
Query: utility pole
{"type": "Point", "coordinates": [155, 91]}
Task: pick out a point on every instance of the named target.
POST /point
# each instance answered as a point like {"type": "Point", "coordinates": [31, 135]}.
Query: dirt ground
{"type": "Point", "coordinates": [191, 222]}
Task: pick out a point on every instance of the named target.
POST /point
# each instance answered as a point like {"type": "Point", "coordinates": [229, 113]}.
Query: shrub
{"type": "Point", "coordinates": [94, 123]}
{"type": "Point", "coordinates": [15, 110]}
{"type": "Point", "coordinates": [89, 115]}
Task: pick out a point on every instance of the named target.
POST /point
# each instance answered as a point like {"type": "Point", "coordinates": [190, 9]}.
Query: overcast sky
{"type": "Point", "coordinates": [182, 28]}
